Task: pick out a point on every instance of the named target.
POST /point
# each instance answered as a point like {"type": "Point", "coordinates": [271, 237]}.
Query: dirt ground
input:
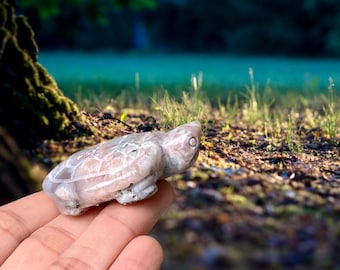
{"type": "Point", "coordinates": [249, 202]}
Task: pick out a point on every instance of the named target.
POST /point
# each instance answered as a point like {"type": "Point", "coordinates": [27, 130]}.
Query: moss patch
{"type": "Point", "coordinates": [32, 107]}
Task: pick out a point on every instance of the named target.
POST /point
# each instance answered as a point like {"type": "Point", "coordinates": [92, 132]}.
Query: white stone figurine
{"type": "Point", "coordinates": [126, 168]}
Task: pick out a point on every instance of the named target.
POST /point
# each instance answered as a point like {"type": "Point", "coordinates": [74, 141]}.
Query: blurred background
{"type": "Point", "coordinates": [289, 43]}
{"type": "Point", "coordinates": [244, 27]}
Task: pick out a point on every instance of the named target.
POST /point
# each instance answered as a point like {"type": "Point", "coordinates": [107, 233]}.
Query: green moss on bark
{"type": "Point", "coordinates": [32, 107]}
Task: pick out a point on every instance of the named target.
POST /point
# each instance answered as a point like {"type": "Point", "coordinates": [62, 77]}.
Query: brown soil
{"type": "Point", "coordinates": [249, 202]}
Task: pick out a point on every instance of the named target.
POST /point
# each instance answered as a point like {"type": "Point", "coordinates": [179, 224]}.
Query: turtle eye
{"type": "Point", "coordinates": [193, 141]}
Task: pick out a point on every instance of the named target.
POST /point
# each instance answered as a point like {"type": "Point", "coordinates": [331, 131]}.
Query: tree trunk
{"type": "Point", "coordinates": [32, 108]}
{"type": "Point", "coordinates": [16, 177]}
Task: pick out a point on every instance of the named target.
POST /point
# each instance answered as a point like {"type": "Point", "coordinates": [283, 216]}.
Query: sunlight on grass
{"type": "Point", "coordinates": [229, 110]}
{"type": "Point", "coordinates": [257, 105]}
{"type": "Point", "coordinates": [332, 114]}
{"type": "Point", "coordinates": [192, 106]}
{"type": "Point", "coordinates": [293, 141]}
{"type": "Point", "coordinates": [280, 115]}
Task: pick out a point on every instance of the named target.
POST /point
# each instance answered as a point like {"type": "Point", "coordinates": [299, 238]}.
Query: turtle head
{"type": "Point", "coordinates": [181, 146]}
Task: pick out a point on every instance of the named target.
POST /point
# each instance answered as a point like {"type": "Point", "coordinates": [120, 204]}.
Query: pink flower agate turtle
{"type": "Point", "coordinates": [125, 168]}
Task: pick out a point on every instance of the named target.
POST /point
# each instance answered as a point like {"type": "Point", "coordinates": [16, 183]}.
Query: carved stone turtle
{"type": "Point", "coordinates": [125, 168]}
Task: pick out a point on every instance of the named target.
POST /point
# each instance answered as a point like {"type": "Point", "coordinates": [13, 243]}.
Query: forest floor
{"type": "Point", "coordinates": [260, 196]}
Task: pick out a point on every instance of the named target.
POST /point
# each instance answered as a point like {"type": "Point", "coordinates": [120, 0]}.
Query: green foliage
{"type": "Point", "coordinates": [134, 4]}
{"type": "Point", "coordinates": [96, 10]}
{"type": "Point", "coordinates": [46, 9]}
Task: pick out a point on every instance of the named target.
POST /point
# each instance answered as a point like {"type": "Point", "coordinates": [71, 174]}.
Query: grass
{"type": "Point", "coordinates": [257, 105]}
{"type": "Point", "coordinates": [292, 140]}
{"type": "Point", "coordinates": [280, 115]}
{"type": "Point", "coordinates": [191, 106]}
{"type": "Point", "coordinates": [332, 113]}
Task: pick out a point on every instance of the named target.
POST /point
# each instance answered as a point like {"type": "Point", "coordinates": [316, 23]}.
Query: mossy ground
{"type": "Point", "coordinates": [263, 194]}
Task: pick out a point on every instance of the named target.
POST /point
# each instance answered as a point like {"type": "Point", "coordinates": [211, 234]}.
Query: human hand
{"type": "Point", "coordinates": [34, 235]}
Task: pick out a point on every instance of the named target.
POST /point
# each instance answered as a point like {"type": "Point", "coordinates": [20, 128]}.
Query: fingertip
{"type": "Point", "coordinates": [143, 252]}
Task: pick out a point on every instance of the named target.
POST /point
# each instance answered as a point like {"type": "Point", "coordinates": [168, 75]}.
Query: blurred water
{"type": "Point", "coordinates": [221, 70]}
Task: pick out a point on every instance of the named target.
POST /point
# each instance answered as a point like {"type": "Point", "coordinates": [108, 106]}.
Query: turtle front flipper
{"type": "Point", "coordinates": [139, 191]}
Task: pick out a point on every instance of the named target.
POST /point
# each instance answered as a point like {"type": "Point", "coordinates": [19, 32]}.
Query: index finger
{"type": "Point", "coordinates": [22, 217]}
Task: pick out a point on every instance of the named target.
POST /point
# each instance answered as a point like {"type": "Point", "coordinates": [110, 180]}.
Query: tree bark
{"type": "Point", "coordinates": [16, 177]}
{"type": "Point", "coordinates": [32, 107]}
